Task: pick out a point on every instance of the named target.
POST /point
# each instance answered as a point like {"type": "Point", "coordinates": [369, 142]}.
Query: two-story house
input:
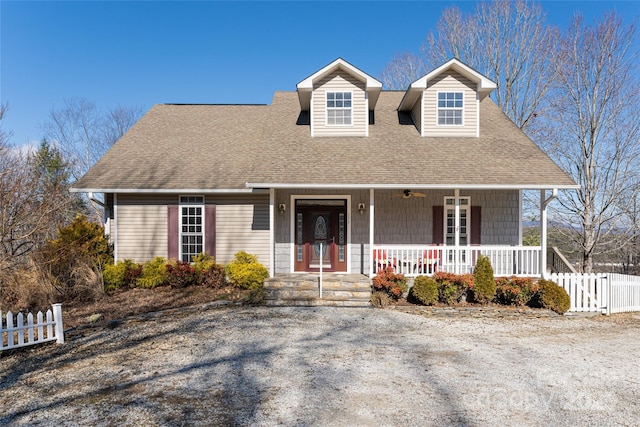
{"type": "Point", "coordinates": [338, 175]}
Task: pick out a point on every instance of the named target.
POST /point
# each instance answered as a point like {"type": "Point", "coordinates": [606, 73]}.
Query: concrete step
{"type": "Point", "coordinates": [352, 290]}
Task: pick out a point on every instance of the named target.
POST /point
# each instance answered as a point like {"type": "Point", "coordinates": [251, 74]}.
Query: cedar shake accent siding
{"type": "Point", "coordinates": [451, 82]}
{"type": "Point", "coordinates": [340, 82]}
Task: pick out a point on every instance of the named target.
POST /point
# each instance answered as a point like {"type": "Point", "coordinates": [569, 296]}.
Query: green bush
{"type": "Point", "coordinates": [452, 287]}
{"type": "Point", "coordinates": [389, 282]}
{"type": "Point", "coordinates": [552, 296]}
{"type": "Point", "coordinates": [515, 290]}
{"type": "Point", "coordinates": [153, 273]}
{"type": "Point", "coordinates": [210, 273]}
{"type": "Point", "coordinates": [74, 259]}
{"type": "Point", "coordinates": [424, 290]}
{"type": "Point", "coordinates": [246, 272]}
{"type": "Point", "coordinates": [484, 288]}
{"type": "Point", "coordinates": [120, 275]}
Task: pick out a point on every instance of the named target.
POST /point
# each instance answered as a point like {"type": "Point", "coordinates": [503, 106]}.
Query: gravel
{"type": "Point", "coordinates": [329, 367]}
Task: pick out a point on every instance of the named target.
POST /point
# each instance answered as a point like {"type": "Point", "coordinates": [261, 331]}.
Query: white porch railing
{"type": "Point", "coordinates": [415, 260]}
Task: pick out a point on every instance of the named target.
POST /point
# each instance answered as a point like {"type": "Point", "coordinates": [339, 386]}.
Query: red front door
{"type": "Point", "coordinates": [321, 235]}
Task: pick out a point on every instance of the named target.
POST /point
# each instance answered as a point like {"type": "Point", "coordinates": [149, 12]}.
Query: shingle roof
{"type": "Point", "coordinates": [214, 147]}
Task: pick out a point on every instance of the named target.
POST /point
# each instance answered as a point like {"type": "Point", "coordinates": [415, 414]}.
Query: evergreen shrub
{"type": "Point", "coordinates": [552, 296]}
{"type": "Point", "coordinates": [484, 288]}
{"type": "Point", "coordinates": [452, 287]}
{"type": "Point", "coordinates": [424, 290]}
{"type": "Point", "coordinates": [515, 290]}
{"type": "Point", "coordinates": [246, 272]}
{"type": "Point", "coordinates": [389, 282]}
{"type": "Point", "coordinates": [153, 273]}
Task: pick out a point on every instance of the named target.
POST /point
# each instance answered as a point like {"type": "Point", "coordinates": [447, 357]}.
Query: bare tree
{"type": "Point", "coordinates": [403, 69]}
{"type": "Point", "coordinates": [509, 42]}
{"type": "Point", "coordinates": [595, 124]}
{"type": "Point", "coordinates": [84, 133]}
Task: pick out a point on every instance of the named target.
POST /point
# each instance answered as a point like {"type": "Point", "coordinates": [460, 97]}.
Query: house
{"type": "Point", "coordinates": [338, 176]}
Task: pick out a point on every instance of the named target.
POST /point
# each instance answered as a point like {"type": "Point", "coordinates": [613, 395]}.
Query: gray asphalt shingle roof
{"type": "Point", "coordinates": [213, 147]}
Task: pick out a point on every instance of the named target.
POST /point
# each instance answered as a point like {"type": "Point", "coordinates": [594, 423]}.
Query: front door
{"type": "Point", "coordinates": [320, 235]}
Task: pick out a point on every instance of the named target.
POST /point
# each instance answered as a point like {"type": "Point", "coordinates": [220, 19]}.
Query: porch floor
{"type": "Point", "coordinates": [349, 290]}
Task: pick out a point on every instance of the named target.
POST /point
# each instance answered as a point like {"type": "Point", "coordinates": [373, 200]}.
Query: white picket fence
{"type": "Point", "coordinates": [16, 333]}
{"type": "Point", "coordinates": [603, 292]}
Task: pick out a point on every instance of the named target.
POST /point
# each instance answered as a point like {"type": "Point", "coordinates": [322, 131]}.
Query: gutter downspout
{"type": "Point", "coordinates": [544, 202]}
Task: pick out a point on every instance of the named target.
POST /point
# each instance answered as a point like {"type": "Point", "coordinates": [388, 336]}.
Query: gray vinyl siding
{"type": "Point", "coordinates": [410, 221]}
{"type": "Point", "coordinates": [242, 223]}
{"type": "Point", "coordinates": [416, 114]}
{"type": "Point", "coordinates": [141, 226]}
{"type": "Point", "coordinates": [340, 82]}
{"type": "Point", "coordinates": [451, 82]}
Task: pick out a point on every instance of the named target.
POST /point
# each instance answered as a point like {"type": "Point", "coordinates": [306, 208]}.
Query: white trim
{"type": "Point", "coordinates": [326, 109]}
{"type": "Point", "coordinates": [292, 224]}
{"type": "Point", "coordinates": [114, 228]}
{"type": "Point", "coordinates": [202, 213]}
{"type": "Point", "coordinates": [183, 191]}
{"type": "Point", "coordinates": [311, 114]}
{"type": "Point", "coordinates": [477, 115]}
{"type": "Point", "coordinates": [272, 235]}
{"type": "Point", "coordinates": [422, 118]}
{"type": "Point", "coordinates": [366, 107]}
{"type": "Point", "coordinates": [449, 108]}
{"type": "Point", "coordinates": [335, 186]}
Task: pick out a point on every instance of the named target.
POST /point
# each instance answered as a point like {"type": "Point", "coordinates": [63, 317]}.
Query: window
{"type": "Point", "coordinates": [191, 227]}
{"type": "Point", "coordinates": [450, 108]}
{"type": "Point", "coordinates": [338, 108]}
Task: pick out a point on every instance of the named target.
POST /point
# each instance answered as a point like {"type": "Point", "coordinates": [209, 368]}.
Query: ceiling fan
{"type": "Point", "coordinates": [406, 194]}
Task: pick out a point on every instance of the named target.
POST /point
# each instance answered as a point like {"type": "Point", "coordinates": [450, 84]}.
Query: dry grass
{"type": "Point", "coordinates": [136, 301]}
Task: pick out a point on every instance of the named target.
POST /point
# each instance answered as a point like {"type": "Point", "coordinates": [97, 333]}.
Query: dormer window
{"type": "Point", "coordinates": [450, 108]}
{"type": "Point", "coordinates": [339, 108]}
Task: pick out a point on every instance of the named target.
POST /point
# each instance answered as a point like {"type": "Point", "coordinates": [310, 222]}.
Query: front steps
{"type": "Point", "coordinates": [346, 290]}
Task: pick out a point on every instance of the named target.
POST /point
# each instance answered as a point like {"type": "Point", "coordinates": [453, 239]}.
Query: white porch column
{"type": "Point", "coordinates": [272, 232]}
{"type": "Point", "coordinates": [371, 222]}
{"type": "Point", "coordinates": [544, 202]}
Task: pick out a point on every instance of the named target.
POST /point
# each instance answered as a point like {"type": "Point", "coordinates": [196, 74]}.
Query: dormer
{"type": "Point", "coordinates": [446, 101]}
{"type": "Point", "coordinates": [338, 98]}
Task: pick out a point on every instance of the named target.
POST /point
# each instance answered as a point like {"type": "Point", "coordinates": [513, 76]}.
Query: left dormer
{"type": "Point", "coordinates": [339, 98]}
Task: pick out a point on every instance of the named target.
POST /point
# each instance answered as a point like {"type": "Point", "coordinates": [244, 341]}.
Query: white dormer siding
{"type": "Point", "coordinates": [449, 82]}
{"type": "Point", "coordinates": [339, 82]}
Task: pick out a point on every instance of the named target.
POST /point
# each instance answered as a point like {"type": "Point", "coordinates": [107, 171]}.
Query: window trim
{"type": "Point", "coordinates": [438, 109]}
{"type": "Point", "coordinates": [202, 233]}
{"type": "Point", "coordinates": [327, 108]}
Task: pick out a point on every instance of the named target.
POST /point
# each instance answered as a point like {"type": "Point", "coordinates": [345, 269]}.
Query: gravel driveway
{"type": "Point", "coordinates": [329, 366]}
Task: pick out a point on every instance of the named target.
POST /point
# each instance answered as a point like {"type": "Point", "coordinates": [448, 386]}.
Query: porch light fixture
{"type": "Point", "coordinates": [361, 208]}
{"type": "Point", "coordinates": [282, 207]}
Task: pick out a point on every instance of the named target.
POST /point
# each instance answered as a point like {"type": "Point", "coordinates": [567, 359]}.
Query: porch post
{"type": "Point", "coordinates": [272, 232]}
{"type": "Point", "coordinates": [371, 222]}
{"type": "Point", "coordinates": [544, 201]}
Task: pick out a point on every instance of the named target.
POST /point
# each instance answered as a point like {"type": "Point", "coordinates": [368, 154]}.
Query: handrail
{"type": "Point", "coordinates": [558, 262]}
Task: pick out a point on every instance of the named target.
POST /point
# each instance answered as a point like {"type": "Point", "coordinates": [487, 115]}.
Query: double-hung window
{"type": "Point", "coordinates": [339, 108]}
{"type": "Point", "coordinates": [450, 108]}
{"type": "Point", "coordinates": [191, 227]}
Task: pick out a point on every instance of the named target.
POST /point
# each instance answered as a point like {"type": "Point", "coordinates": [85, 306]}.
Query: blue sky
{"type": "Point", "coordinates": [144, 53]}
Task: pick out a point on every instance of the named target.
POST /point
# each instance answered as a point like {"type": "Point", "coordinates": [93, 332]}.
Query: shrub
{"type": "Point", "coordinates": [552, 296]}
{"type": "Point", "coordinates": [153, 273]}
{"type": "Point", "coordinates": [79, 247]}
{"type": "Point", "coordinates": [246, 272]}
{"type": "Point", "coordinates": [210, 273]}
{"type": "Point", "coordinates": [452, 287]}
{"type": "Point", "coordinates": [515, 290]}
{"type": "Point", "coordinates": [484, 287]}
{"type": "Point", "coordinates": [180, 274]}
{"type": "Point", "coordinates": [120, 275]}
{"type": "Point", "coordinates": [380, 299]}
{"type": "Point", "coordinates": [389, 282]}
{"type": "Point", "coordinates": [424, 290]}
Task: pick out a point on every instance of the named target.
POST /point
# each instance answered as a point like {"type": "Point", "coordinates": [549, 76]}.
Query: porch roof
{"type": "Point", "coordinates": [235, 147]}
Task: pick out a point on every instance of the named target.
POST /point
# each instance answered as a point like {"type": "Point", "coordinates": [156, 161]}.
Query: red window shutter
{"type": "Point", "coordinates": [173, 234]}
{"type": "Point", "coordinates": [476, 220]}
{"type": "Point", "coordinates": [438, 225]}
{"type": "Point", "coordinates": [210, 229]}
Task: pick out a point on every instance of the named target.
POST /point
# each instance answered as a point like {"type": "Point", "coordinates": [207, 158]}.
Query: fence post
{"type": "Point", "coordinates": [607, 285]}
{"type": "Point", "coordinates": [57, 317]}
